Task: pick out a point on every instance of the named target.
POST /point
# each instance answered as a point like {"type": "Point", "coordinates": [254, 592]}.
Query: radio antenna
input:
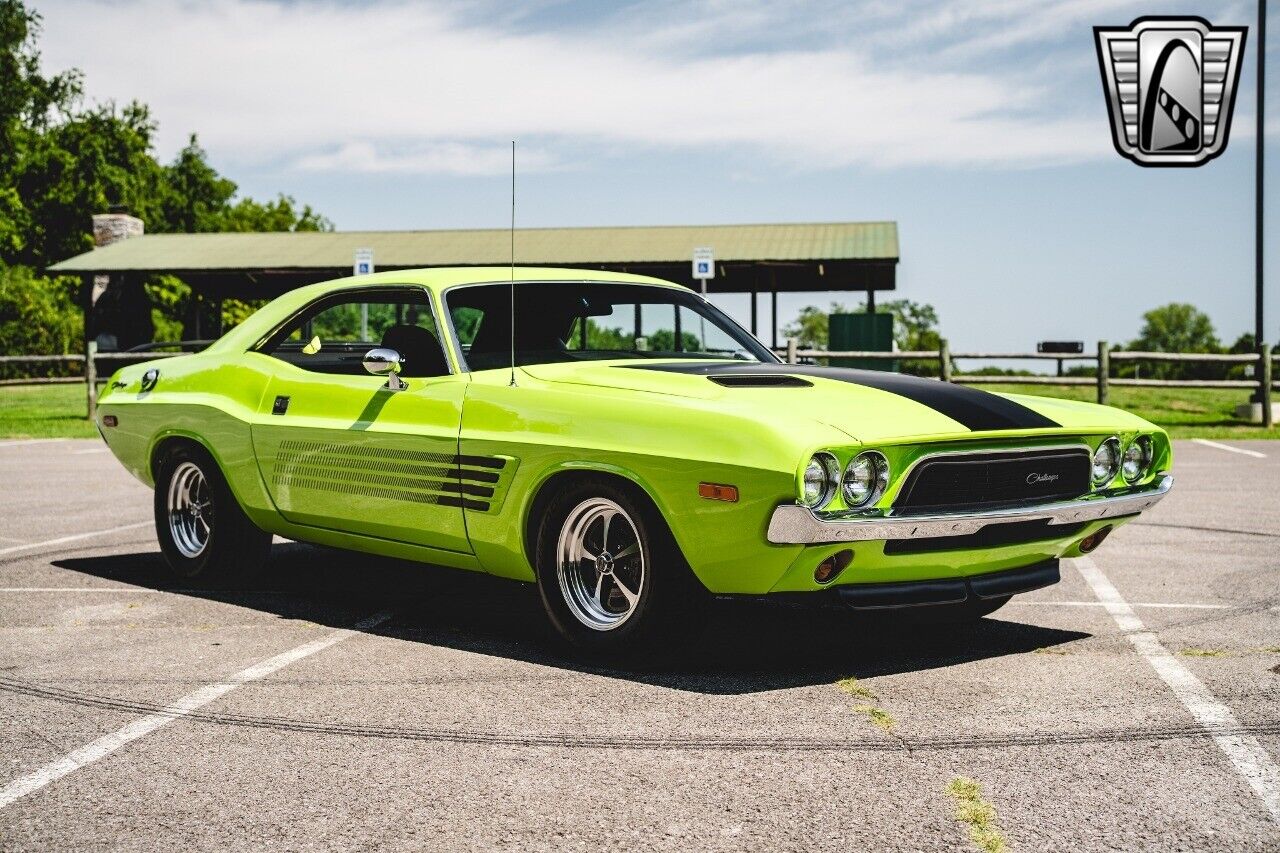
{"type": "Point", "coordinates": [513, 263]}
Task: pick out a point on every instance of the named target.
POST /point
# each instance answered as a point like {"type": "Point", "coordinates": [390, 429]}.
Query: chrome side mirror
{"type": "Point", "coordinates": [384, 361]}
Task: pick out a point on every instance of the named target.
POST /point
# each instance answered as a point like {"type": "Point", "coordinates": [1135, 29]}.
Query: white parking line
{"type": "Point", "coordinates": [107, 744]}
{"type": "Point", "coordinates": [1158, 604]}
{"type": "Point", "coordinates": [1251, 760]}
{"type": "Point", "coordinates": [1207, 443]}
{"type": "Point", "coordinates": [75, 537]}
{"type": "Point", "coordinates": [26, 441]}
{"type": "Point", "coordinates": [129, 589]}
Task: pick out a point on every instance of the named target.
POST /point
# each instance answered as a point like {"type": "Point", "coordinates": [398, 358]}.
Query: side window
{"type": "Point", "coordinates": [466, 323]}
{"type": "Point", "coordinates": [334, 335]}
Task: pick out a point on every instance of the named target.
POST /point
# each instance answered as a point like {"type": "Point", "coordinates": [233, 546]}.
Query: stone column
{"type": "Point", "coordinates": [108, 228]}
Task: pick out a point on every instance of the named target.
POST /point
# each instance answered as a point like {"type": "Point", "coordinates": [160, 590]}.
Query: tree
{"type": "Point", "coordinates": [914, 328]}
{"type": "Point", "coordinates": [915, 324]}
{"type": "Point", "coordinates": [84, 165]}
{"type": "Point", "coordinates": [38, 314]}
{"type": "Point", "coordinates": [196, 199]}
{"type": "Point", "coordinates": [62, 162]}
{"type": "Point", "coordinates": [1176, 327]}
{"type": "Point", "coordinates": [29, 101]}
{"type": "Point", "coordinates": [812, 325]}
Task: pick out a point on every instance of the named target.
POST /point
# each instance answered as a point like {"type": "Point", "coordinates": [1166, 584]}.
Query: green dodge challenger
{"type": "Point", "coordinates": [625, 446]}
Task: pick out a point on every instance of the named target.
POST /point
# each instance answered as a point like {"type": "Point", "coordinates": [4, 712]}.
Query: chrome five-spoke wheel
{"type": "Point", "coordinates": [600, 564]}
{"type": "Point", "coordinates": [190, 510]}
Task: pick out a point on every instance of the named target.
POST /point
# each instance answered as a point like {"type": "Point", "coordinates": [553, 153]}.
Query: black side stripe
{"type": "Point", "coordinates": [976, 410]}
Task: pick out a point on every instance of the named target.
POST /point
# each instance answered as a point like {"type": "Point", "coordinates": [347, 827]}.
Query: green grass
{"type": "Point", "coordinates": [1184, 412]}
{"type": "Point", "coordinates": [879, 716]}
{"type": "Point", "coordinates": [854, 688]}
{"type": "Point", "coordinates": [58, 411]}
{"type": "Point", "coordinates": [978, 814]}
{"type": "Point", "coordinates": [44, 411]}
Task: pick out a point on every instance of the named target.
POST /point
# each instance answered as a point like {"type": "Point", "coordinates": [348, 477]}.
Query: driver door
{"type": "Point", "coordinates": [336, 448]}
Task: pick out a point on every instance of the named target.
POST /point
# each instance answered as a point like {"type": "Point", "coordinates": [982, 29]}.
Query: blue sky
{"type": "Point", "coordinates": [978, 126]}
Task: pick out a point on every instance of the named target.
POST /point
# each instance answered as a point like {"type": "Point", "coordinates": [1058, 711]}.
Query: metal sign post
{"type": "Point", "coordinates": [704, 268]}
{"type": "Point", "coordinates": [704, 265]}
{"type": "Point", "coordinates": [363, 265]}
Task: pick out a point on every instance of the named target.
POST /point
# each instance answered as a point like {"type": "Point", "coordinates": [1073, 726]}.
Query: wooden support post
{"type": "Point", "coordinates": [1264, 385]}
{"type": "Point", "coordinates": [1104, 372]}
{"type": "Point", "coordinates": [773, 317]}
{"type": "Point", "coordinates": [944, 359]}
{"type": "Point", "coordinates": [791, 351]}
{"type": "Point", "coordinates": [91, 377]}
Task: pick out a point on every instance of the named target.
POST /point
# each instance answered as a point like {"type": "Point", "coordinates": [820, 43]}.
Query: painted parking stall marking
{"type": "Point", "coordinates": [1245, 752]}
{"type": "Point", "coordinates": [1163, 605]}
{"type": "Point", "coordinates": [107, 744]}
{"type": "Point", "coordinates": [76, 537]}
{"type": "Point", "coordinates": [1242, 450]}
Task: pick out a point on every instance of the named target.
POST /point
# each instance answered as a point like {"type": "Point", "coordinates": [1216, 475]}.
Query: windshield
{"type": "Point", "coordinates": [578, 321]}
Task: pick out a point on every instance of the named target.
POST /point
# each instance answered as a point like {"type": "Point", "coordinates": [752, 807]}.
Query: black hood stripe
{"type": "Point", "coordinates": [977, 410]}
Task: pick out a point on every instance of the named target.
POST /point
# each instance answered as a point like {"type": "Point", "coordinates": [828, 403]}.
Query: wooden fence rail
{"type": "Point", "coordinates": [1262, 383]}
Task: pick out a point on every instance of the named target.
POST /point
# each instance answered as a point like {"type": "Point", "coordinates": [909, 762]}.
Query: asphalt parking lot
{"type": "Point", "coordinates": [350, 702]}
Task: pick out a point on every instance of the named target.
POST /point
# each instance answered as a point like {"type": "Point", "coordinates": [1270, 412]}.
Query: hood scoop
{"type": "Point", "coordinates": [759, 380]}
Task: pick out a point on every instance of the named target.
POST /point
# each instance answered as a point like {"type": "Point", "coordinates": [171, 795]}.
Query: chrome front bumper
{"type": "Point", "coordinates": [793, 524]}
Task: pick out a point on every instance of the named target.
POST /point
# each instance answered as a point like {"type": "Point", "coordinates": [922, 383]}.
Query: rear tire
{"type": "Point", "coordinates": [613, 582]}
{"type": "Point", "coordinates": [204, 534]}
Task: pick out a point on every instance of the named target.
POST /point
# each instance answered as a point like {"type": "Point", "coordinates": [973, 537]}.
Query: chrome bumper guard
{"type": "Point", "coordinates": [792, 524]}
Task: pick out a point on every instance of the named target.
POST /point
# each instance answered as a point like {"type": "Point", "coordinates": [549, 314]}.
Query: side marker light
{"type": "Point", "coordinates": [718, 492]}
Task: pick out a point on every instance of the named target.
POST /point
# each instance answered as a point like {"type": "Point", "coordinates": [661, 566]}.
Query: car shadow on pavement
{"type": "Point", "coordinates": [746, 646]}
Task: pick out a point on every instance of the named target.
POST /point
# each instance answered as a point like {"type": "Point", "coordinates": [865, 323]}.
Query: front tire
{"type": "Point", "coordinates": [613, 581]}
{"type": "Point", "coordinates": [204, 535]}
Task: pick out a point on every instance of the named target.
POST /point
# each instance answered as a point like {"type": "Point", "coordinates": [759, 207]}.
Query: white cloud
{"type": "Point", "coordinates": [411, 87]}
{"type": "Point", "coordinates": [450, 158]}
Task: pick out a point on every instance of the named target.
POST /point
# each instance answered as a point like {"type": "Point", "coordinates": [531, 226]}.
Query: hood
{"type": "Point", "coordinates": [868, 405]}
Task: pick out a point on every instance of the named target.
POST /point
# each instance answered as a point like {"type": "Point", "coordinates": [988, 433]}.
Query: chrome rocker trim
{"type": "Point", "coordinates": [792, 524]}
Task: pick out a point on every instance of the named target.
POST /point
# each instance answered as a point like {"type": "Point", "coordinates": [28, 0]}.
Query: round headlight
{"type": "Point", "coordinates": [865, 479]}
{"type": "Point", "coordinates": [1137, 459]}
{"type": "Point", "coordinates": [820, 477]}
{"type": "Point", "coordinates": [1106, 462]}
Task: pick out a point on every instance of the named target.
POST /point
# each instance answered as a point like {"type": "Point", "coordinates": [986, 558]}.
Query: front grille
{"type": "Point", "coordinates": [994, 479]}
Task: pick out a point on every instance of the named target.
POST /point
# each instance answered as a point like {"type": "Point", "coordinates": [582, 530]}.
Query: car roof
{"type": "Point", "coordinates": [439, 278]}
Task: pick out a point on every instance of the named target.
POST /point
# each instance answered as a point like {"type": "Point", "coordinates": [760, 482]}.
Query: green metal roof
{"type": "Point", "coordinates": [801, 242]}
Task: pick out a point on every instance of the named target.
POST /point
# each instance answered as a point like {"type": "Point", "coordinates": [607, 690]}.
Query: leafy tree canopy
{"type": "Point", "coordinates": [62, 161]}
{"type": "Point", "coordinates": [915, 324]}
{"type": "Point", "coordinates": [1176, 327]}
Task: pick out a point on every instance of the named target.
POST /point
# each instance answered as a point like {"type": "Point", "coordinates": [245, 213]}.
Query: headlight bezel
{"type": "Point", "coordinates": [1117, 458]}
{"type": "Point", "coordinates": [879, 464]}
{"type": "Point", "coordinates": [1146, 449]}
{"type": "Point", "coordinates": [830, 467]}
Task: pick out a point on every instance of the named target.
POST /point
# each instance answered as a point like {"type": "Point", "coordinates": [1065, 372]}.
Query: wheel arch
{"type": "Point", "coordinates": [565, 475]}
{"type": "Point", "coordinates": [163, 442]}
